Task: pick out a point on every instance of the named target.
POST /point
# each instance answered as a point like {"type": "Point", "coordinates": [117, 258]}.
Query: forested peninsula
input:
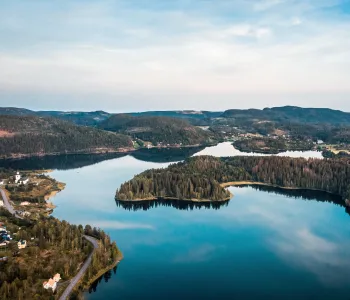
{"type": "Point", "coordinates": [204, 178]}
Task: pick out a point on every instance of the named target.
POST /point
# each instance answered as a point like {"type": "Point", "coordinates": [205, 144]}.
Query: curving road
{"type": "Point", "coordinates": [82, 271]}
{"type": "Point", "coordinates": [8, 205]}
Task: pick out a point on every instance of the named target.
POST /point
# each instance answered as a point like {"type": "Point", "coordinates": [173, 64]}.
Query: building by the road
{"type": "Point", "coordinates": [52, 282]}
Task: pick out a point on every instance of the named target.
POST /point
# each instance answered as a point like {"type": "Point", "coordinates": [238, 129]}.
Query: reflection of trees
{"type": "Point", "coordinates": [74, 161]}
{"type": "Point", "coordinates": [303, 194]}
{"type": "Point", "coordinates": [178, 204]}
{"type": "Point", "coordinates": [105, 277]}
{"type": "Point", "coordinates": [58, 162]}
{"type": "Point", "coordinates": [165, 154]}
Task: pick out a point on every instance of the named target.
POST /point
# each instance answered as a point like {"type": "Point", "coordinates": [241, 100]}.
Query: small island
{"type": "Point", "coordinates": [205, 178]}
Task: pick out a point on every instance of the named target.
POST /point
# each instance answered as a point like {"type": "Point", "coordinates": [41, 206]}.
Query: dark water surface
{"type": "Point", "coordinates": [262, 244]}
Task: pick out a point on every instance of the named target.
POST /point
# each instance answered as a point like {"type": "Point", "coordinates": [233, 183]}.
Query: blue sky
{"type": "Point", "coordinates": [174, 54]}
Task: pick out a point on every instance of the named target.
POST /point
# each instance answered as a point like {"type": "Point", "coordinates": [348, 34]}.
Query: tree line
{"type": "Point", "coordinates": [39, 136]}
{"type": "Point", "coordinates": [53, 247]}
{"type": "Point", "coordinates": [201, 177]}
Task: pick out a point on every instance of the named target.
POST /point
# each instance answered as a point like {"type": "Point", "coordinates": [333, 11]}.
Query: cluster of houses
{"type": "Point", "coordinates": [52, 282]}
{"type": "Point", "coordinates": [5, 236]}
{"type": "Point", "coordinates": [18, 179]}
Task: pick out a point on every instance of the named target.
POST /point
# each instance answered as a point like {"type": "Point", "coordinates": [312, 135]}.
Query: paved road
{"type": "Point", "coordinates": [8, 205]}
{"type": "Point", "coordinates": [82, 271]}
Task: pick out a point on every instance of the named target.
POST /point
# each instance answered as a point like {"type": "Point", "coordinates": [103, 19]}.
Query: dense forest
{"type": "Point", "coordinates": [272, 145]}
{"type": "Point", "coordinates": [165, 130]}
{"type": "Point", "coordinates": [26, 135]}
{"type": "Point", "coordinates": [201, 177]}
{"type": "Point", "coordinates": [53, 247]}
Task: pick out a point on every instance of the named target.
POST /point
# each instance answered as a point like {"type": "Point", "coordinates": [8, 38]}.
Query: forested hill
{"type": "Point", "coordinates": [291, 114]}
{"type": "Point", "coordinates": [201, 177]}
{"type": "Point", "coordinates": [77, 117]}
{"type": "Point", "coordinates": [29, 135]}
{"type": "Point", "coordinates": [157, 130]}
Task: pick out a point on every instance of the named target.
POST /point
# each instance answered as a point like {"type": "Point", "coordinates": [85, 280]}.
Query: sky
{"type": "Point", "coordinates": [136, 55]}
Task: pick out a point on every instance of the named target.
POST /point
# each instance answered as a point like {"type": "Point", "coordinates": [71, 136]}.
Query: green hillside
{"type": "Point", "coordinates": [157, 130]}
{"type": "Point", "coordinates": [29, 135]}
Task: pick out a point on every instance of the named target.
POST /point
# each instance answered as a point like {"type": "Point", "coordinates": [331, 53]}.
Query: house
{"type": "Point", "coordinates": [17, 177]}
{"type": "Point", "coordinates": [23, 180]}
{"type": "Point", "coordinates": [22, 244]}
{"type": "Point", "coordinates": [25, 203]}
{"type": "Point", "coordinates": [57, 277]}
{"type": "Point", "coordinates": [1, 203]}
{"type": "Point", "coordinates": [51, 284]}
{"type": "Point", "coordinates": [2, 181]}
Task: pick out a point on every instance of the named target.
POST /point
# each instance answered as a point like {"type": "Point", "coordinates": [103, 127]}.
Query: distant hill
{"type": "Point", "coordinates": [292, 114]}
{"type": "Point", "coordinates": [79, 118]}
{"type": "Point", "coordinates": [156, 130]}
{"type": "Point", "coordinates": [185, 114]}
{"type": "Point", "coordinates": [31, 135]}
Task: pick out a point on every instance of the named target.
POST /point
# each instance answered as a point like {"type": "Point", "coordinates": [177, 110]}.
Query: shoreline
{"type": "Point", "coordinates": [97, 152]}
{"type": "Point", "coordinates": [103, 271]}
{"type": "Point", "coordinates": [226, 185]}
{"type": "Point", "coordinates": [246, 183]}
{"type": "Point", "coordinates": [177, 199]}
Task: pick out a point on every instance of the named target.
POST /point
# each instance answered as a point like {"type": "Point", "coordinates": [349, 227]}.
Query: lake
{"type": "Point", "coordinates": [263, 243]}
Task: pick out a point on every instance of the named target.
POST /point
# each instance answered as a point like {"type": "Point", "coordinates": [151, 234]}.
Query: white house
{"type": "Point", "coordinates": [17, 177]}
{"type": "Point", "coordinates": [51, 284]}
{"type": "Point", "coordinates": [1, 203]}
{"type": "Point", "coordinates": [23, 180]}
{"type": "Point", "coordinates": [57, 277]}
{"type": "Point", "coordinates": [2, 181]}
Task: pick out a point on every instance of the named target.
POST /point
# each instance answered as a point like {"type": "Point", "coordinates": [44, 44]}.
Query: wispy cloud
{"type": "Point", "coordinates": [139, 50]}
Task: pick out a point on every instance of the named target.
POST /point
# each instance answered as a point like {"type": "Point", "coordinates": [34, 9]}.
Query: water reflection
{"type": "Point", "coordinates": [304, 194]}
{"type": "Point", "coordinates": [105, 278]}
{"type": "Point", "coordinates": [58, 162]}
{"type": "Point", "coordinates": [74, 161]}
{"type": "Point", "coordinates": [227, 149]}
{"type": "Point", "coordinates": [156, 155]}
{"type": "Point", "coordinates": [178, 204]}
{"type": "Point", "coordinates": [165, 154]}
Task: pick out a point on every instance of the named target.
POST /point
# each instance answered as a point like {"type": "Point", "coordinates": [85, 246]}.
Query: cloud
{"type": "Point", "coordinates": [219, 50]}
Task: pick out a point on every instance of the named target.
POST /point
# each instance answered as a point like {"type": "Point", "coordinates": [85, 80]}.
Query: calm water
{"type": "Point", "coordinates": [263, 244]}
